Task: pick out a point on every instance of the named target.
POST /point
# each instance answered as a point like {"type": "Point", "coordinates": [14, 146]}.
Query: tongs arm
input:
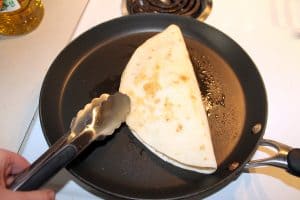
{"type": "Point", "coordinates": [96, 120]}
{"type": "Point", "coordinates": [49, 163]}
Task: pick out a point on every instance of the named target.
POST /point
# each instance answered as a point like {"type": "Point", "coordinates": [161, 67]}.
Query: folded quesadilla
{"type": "Point", "coordinates": [167, 113]}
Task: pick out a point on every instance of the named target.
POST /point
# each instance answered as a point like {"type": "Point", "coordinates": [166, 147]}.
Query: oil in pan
{"type": "Point", "coordinates": [222, 96]}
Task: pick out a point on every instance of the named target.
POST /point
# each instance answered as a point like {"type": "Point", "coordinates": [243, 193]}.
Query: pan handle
{"type": "Point", "coordinates": [286, 157]}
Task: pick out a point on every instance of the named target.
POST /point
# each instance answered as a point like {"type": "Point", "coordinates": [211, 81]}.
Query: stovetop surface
{"type": "Point", "coordinates": [269, 32]}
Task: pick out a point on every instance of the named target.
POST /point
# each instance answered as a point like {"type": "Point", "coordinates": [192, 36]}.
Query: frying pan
{"type": "Point", "coordinates": [120, 166]}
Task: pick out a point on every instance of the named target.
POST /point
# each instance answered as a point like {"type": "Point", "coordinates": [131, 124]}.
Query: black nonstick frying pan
{"type": "Point", "coordinates": [120, 166]}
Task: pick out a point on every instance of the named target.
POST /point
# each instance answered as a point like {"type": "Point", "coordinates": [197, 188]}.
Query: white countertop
{"type": "Point", "coordinates": [269, 31]}
{"type": "Point", "coordinates": [24, 61]}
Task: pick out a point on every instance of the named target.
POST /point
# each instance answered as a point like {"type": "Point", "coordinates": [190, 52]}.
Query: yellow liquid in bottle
{"type": "Point", "coordinates": [23, 20]}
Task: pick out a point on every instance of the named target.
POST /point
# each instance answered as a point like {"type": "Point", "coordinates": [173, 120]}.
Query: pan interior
{"type": "Point", "coordinates": [223, 98]}
{"type": "Point", "coordinates": [121, 165]}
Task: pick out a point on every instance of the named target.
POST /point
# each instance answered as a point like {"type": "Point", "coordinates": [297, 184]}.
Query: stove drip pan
{"type": "Point", "coordinates": [199, 9]}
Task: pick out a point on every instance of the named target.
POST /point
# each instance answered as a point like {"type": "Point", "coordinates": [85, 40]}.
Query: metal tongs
{"type": "Point", "coordinates": [96, 120]}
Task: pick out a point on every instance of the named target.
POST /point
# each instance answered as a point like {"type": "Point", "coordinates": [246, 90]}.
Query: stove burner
{"type": "Point", "coordinates": [199, 9]}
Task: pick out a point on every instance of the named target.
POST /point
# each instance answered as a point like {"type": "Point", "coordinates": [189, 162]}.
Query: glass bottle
{"type": "Point", "coordinates": [20, 16]}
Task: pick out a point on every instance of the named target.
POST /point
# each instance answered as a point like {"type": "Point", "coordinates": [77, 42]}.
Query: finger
{"type": "Point", "coordinates": [34, 195]}
{"type": "Point", "coordinates": [9, 180]}
{"type": "Point", "coordinates": [12, 161]}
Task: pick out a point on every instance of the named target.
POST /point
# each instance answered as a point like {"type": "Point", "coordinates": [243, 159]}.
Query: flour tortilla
{"type": "Point", "coordinates": [167, 113]}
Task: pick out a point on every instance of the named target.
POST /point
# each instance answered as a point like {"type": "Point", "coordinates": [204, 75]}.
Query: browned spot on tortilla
{"type": "Point", "coordinates": [139, 101]}
{"type": "Point", "coordinates": [183, 78]}
{"type": "Point", "coordinates": [168, 109]}
{"type": "Point", "coordinates": [169, 54]}
{"type": "Point", "coordinates": [179, 128]}
{"type": "Point", "coordinates": [152, 83]}
{"type": "Point", "coordinates": [156, 101]}
{"type": "Point", "coordinates": [202, 147]}
{"type": "Point", "coordinates": [140, 78]}
{"type": "Point", "coordinates": [205, 158]}
{"type": "Point", "coordinates": [193, 97]}
{"type": "Point", "coordinates": [168, 105]}
{"type": "Point", "coordinates": [151, 88]}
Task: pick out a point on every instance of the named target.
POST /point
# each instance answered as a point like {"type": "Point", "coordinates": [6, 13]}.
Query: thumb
{"type": "Point", "coordinates": [44, 194]}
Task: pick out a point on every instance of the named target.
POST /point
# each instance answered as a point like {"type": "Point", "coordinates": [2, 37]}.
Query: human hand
{"type": "Point", "coordinates": [10, 165]}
